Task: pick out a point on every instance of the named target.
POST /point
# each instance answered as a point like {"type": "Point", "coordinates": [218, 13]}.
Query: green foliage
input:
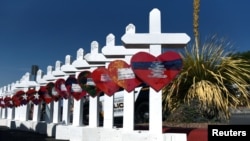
{"type": "Point", "coordinates": [242, 55]}
{"type": "Point", "coordinates": [187, 113]}
{"type": "Point", "coordinates": [208, 77]}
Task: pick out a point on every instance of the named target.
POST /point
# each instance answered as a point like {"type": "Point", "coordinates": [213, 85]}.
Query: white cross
{"type": "Point", "coordinates": [110, 49]}
{"type": "Point", "coordinates": [67, 67]}
{"type": "Point", "coordinates": [154, 37]}
{"type": "Point", "coordinates": [58, 71]}
{"type": "Point", "coordinates": [154, 40]}
{"type": "Point", "coordinates": [80, 63]}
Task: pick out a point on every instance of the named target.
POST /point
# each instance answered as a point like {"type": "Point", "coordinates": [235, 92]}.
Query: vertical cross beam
{"type": "Point", "coordinates": [94, 108]}
{"type": "Point", "coordinates": [80, 64]}
{"type": "Point", "coordinates": [155, 98]}
{"type": "Point", "coordinates": [10, 114]}
{"type": "Point", "coordinates": [4, 111]}
{"type": "Point", "coordinates": [95, 57]}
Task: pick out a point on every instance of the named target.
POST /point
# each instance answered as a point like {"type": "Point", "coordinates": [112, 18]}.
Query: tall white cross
{"type": "Point", "coordinates": [129, 97]}
{"type": "Point", "coordinates": [155, 40]}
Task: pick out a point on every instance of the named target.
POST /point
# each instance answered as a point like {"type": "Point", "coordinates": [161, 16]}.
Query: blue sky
{"type": "Point", "coordinates": [43, 31]}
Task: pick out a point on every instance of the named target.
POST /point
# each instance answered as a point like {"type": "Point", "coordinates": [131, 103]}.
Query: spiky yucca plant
{"type": "Point", "coordinates": [207, 79]}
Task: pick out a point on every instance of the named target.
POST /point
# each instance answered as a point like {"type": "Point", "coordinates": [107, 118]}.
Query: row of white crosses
{"type": "Point", "coordinates": [154, 41]}
{"type": "Point", "coordinates": [7, 91]}
{"type": "Point", "coordinates": [151, 42]}
{"type": "Point", "coordinates": [23, 84]}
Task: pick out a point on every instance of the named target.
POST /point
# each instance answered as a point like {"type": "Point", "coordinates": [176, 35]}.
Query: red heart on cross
{"type": "Point", "coordinates": [52, 92]}
{"type": "Point", "coordinates": [159, 71]}
{"type": "Point", "coordinates": [43, 92]}
{"type": "Point", "coordinates": [104, 82]}
{"type": "Point", "coordinates": [34, 96]}
{"type": "Point", "coordinates": [85, 80]}
{"type": "Point", "coordinates": [61, 88]}
{"type": "Point", "coordinates": [20, 98]}
{"type": "Point", "coordinates": [74, 88]}
{"type": "Point", "coordinates": [8, 102]}
{"type": "Point", "coordinates": [122, 74]}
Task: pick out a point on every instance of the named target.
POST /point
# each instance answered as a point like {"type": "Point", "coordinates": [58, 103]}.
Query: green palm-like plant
{"type": "Point", "coordinates": [207, 79]}
{"type": "Point", "coordinates": [206, 85]}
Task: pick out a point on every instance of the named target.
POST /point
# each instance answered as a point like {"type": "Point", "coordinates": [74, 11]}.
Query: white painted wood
{"type": "Point", "coordinates": [93, 107]}
{"type": "Point", "coordinates": [108, 121]}
{"type": "Point", "coordinates": [64, 106]}
{"type": "Point", "coordinates": [124, 54]}
{"type": "Point", "coordinates": [37, 108]}
{"type": "Point", "coordinates": [56, 112]}
{"type": "Point", "coordinates": [40, 78]}
{"type": "Point", "coordinates": [94, 55]}
{"type": "Point", "coordinates": [58, 72]}
{"type": "Point", "coordinates": [10, 111]}
{"type": "Point", "coordinates": [108, 108]}
{"type": "Point", "coordinates": [113, 50]}
{"type": "Point", "coordinates": [48, 115]}
{"type": "Point", "coordinates": [4, 110]}
{"type": "Point", "coordinates": [129, 106]}
{"type": "Point", "coordinates": [36, 113]}
{"type": "Point", "coordinates": [152, 42]}
{"type": "Point", "coordinates": [78, 104]}
{"type": "Point", "coordinates": [49, 76]}
{"type": "Point", "coordinates": [155, 98]}
{"type": "Point", "coordinates": [4, 113]}
{"type": "Point", "coordinates": [25, 82]}
{"type": "Point", "coordinates": [77, 112]}
{"type": "Point", "coordinates": [110, 49]}
{"type": "Point", "coordinates": [67, 67]}
{"type": "Point", "coordinates": [80, 63]}
{"type": "Point", "coordinates": [128, 111]}
{"type": "Point", "coordinates": [66, 111]}
{"type": "Point", "coordinates": [69, 104]}
{"type": "Point", "coordinates": [94, 111]}
{"type": "Point", "coordinates": [24, 110]}
{"type": "Point", "coordinates": [160, 39]}
{"type": "Point", "coordinates": [155, 40]}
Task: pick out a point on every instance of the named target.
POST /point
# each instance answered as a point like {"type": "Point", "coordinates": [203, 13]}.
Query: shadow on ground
{"type": "Point", "coordinates": [7, 134]}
